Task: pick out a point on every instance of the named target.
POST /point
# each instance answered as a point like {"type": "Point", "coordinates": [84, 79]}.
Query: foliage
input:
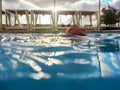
{"type": "Point", "coordinates": [109, 16]}
{"type": "Point", "coordinates": [118, 18]}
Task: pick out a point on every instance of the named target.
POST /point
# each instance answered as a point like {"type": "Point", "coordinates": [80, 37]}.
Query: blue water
{"type": "Point", "coordinates": [60, 62]}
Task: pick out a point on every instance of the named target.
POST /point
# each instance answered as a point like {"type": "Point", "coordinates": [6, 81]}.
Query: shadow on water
{"type": "Point", "coordinates": [109, 45]}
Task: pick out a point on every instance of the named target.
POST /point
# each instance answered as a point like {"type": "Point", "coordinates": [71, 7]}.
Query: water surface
{"type": "Point", "coordinates": [58, 61]}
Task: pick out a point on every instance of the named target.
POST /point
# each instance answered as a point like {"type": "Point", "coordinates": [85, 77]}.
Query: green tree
{"type": "Point", "coordinates": [118, 18]}
{"type": "Point", "coordinates": [109, 16]}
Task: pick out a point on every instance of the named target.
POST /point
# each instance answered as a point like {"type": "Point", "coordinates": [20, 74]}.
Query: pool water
{"type": "Point", "coordinates": [60, 62]}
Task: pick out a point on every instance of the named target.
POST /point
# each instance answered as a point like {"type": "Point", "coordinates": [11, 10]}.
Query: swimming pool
{"type": "Point", "coordinates": [59, 62]}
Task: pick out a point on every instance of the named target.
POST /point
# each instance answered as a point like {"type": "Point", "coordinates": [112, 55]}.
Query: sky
{"type": "Point", "coordinates": [87, 5]}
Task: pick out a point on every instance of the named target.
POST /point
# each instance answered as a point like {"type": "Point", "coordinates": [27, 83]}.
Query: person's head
{"type": "Point", "coordinates": [74, 25]}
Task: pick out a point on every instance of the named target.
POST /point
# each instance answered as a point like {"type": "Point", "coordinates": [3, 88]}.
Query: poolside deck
{"type": "Point", "coordinates": [56, 31]}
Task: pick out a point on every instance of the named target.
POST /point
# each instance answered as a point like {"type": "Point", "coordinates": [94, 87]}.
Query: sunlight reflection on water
{"type": "Point", "coordinates": [40, 56]}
